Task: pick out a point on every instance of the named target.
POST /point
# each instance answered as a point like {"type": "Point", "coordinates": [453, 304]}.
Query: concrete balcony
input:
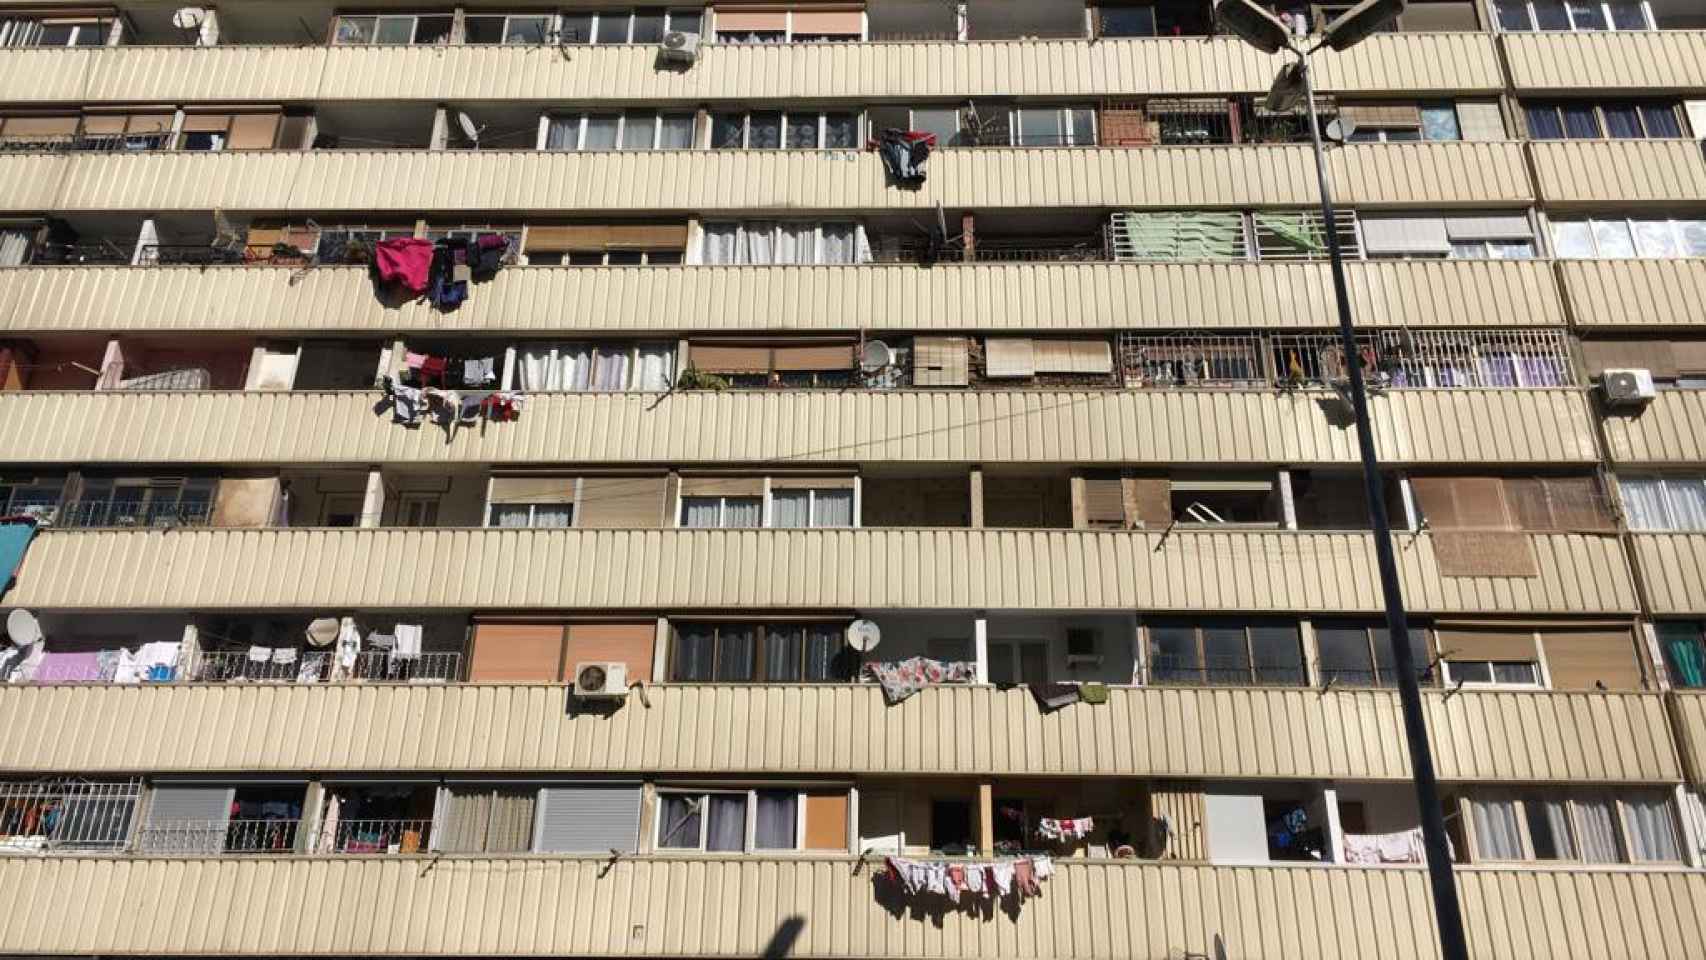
{"type": "Point", "coordinates": [542, 182]}
{"type": "Point", "coordinates": [1669, 429]}
{"type": "Point", "coordinates": [807, 569]}
{"type": "Point", "coordinates": [1620, 171]}
{"type": "Point", "coordinates": [1030, 297]}
{"type": "Point", "coordinates": [834, 730]}
{"type": "Point", "coordinates": [734, 907]}
{"type": "Point", "coordinates": [1624, 61]}
{"type": "Point", "coordinates": [1042, 68]}
{"type": "Point", "coordinates": [1673, 566]}
{"type": "Point", "coordinates": [1256, 427]}
{"type": "Point", "coordinates": [1631, 293]}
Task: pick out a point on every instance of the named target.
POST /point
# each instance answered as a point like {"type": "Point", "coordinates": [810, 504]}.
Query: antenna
{"type": "Point", "coordinates": [875, 356]}
{"type": "Point", "coordinates": [23, 627]}
{"type": "Point", "coordinates": [864, 635]}
{"type": "Point", "coordinates": [469, 129]}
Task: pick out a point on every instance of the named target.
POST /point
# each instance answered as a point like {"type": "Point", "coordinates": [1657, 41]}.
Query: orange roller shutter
{"type": "Point", "coordinates": [1486, 643]}
{"type": "Point", "coordinates": [629, 643]}
{"type": "Point", "coordinates": [722, 486]}
{"type": "Point", "coordinates": [254, 131]}
{"type": "Point", "coordinates": [826, 820]}
{"type": "Point", "coordinates": [829, 21]}
{"type": "Point", "coordinates": [517, 653]}
{"type": "Point", "coordinates": [837, 356]}
{"type": "Point", "coordinates": [622, 502]}
{"type": "Point", "coordinates": [1580, 659]}
{"type": "Point", "coordinates": [711, 357]}
{"type": "Point", "coordinates": [728, 19]}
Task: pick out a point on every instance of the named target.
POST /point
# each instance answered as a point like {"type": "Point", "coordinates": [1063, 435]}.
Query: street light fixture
{"type": "Point", "coordinates": [1268, 34]}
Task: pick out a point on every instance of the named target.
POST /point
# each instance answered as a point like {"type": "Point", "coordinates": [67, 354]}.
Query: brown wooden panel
{"type": "Point", "coordinates": [837, 356]}
{"type": "Point", "coordinates": [826, 820]}
{"type": "Point", "coordinates": [604, 236]}
{"type": "Point", "coordinates": [1583, 659]}
{"type": "Point", "coordinates": [722, 486]}
{"type": "Point", "coordinates": [712, 357]}
{"type": "Point", "coordinates": [517, 652]}
{"type": "Point", "coordinates": [1486, 643]}
{"type": "Point", "coordinates": [254, 131]}
{"type": "Point", "coordinates": [61, 126]}
{"type": "Point", "coordinates": [1104, 501]}
{"type": "Point", "coordinates": [1149, 499]}
{"type": "Point", "coordinates": [829, 21]}
{"type": "Point", "coordinates": [533, 490]}
{"type": "Point", "coordinates": [751, 19]}
{"type": "Point", "coordinates": [206, 122]}
{"type": "Point", "coordinates": [629, 643]}
{"type": "Point", "coordinates": [622, 502]}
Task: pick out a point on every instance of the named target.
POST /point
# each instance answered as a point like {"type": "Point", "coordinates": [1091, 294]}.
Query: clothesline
{"type": "Point", "coordinates": [978, 880]}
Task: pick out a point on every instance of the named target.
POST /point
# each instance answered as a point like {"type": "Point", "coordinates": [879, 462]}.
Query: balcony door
{"type": "Point", "coordinates": [1018, 661]}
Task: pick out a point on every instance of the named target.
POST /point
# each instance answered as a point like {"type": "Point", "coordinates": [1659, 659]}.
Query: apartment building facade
{"type": "Point", "coordinates": [973, 566]}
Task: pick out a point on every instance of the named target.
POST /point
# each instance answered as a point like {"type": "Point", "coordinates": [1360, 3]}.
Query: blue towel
{"type": "Point", "coordinates": [15, 536]}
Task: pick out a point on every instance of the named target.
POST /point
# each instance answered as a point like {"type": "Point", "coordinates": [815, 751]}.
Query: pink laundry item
{"type": "Point", "coordinates": [404, 263]}
{"type": "Point", "coordinates": [413, 360]}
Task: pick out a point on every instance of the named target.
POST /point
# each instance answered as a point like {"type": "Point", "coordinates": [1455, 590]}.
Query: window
{"type": "Point", "coordinates": [1684, 650]}
{"type": "Point", "coordinates": [1123, 21]}
{"type": "Point", "coordinates": [596, 367]}
{"type": "Point", "coordinates": [31, 497]}
{"type": "Point", "coordinates": [730, 821]}
{"type": "Point", "coordinates": [1356, 655]}
{"type": "Point", "coordinates": [1617, 120]}
{"type": "Point", "coordinates": [721, 512]}
{"type": "Point", "coordinates": [631, 130]}
{"type": "Point", "coordinates": [762, 653]}
{"type": "Point", "coordinates": [1664, 503]}
{"type": "Point", "coordinates": [1621, 238]}
{"type": "Point", "coordinates": [783, 241]}
{"type": "Point", "coordinates": [645, 25]}
{"type": "Point", "coordinates": [393, 29]}
{"type": "Point", "coordinates": [1053, 127]}
{"type": "Point", "coordinates": [811, 507]}
{"type": "Point", "coordinates": [1521, 16]}
{"type": "Point", "coordinates": [1225, 653]}
{"type": "Point", "coordinates": [31, 32]}
{"type": "Point", "coordinates": [1638, 826]}
{"type": "Point", "coordinates": [534, 515]}
{"type": "Point", "coordinates": [520, 28]}
{"type": "Point", "coordinates": [792, 130]}
{"type": "Point", "coordinates": [141, 502]}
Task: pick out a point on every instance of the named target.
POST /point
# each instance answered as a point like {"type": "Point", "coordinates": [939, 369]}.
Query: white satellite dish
{"type": "Point", "coordinates": [323, 632]}
{"type": "Point", "coordinates": [864, 635]}
{"type": "Point", "coordinates": [1340, 129]}
{"type": "Point", "coordinates": [469, 130]}
{"type": "Point", "coordinates": [189, 18]}
{"type": "Point", "coordinates": [23, 627]}
{"type": "Point", "coordinates": [876, 356]}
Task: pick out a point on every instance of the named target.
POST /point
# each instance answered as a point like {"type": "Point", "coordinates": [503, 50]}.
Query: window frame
{"type": "Point", "coordinates": [1651, 23]}
{"type": "Point", "coordinates": [743, 228]}
{"type": "Point", "coordinates": [822, 116]}
{"type": "Point", "coordinates": [1574, 801]}
{"type": "Point", "coordinates": [582, 120]}
{"type": "Point", "coordinates": [1603, 127]}
{"type": "Point", "coordinates": [811, 507]}
{"type": "Point", "coordinates": [1213, 676]}
{"type": "Point", "coordinates": [33, 28]}
{"type": "Point", "coordinates": [414, 28]}
{"type": "Point", "coordinates": [722, 510]}
{"type": "Point", "coordinates": [760, 636]}
{"type": "Point", "coordinates": [492, 508]}
{"type": "Point", "coordinates": [1663, 484]}
{"type": "Point", "coordinates": [749, 843]}
{"type": "Point", "coordinates": [1676, 226]}
{"type": "Point", "coordinates": [552, 27]}
{"type": "Point", "coordinates": [1063, 121]}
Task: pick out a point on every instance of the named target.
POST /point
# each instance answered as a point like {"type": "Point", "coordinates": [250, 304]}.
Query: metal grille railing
{"type": "Point", "coordinates": [69, 813]}
{"type": "Point", "coordinates": [374, 836]}
{"type": "Point", "coordinates": [218, 836]}
{"type": "Point", "coordinates": [1186, 360]}
{"type": "Point", "coordinates": [1222, 671]}
{"type": "Point", "coordinates": [290, 665]}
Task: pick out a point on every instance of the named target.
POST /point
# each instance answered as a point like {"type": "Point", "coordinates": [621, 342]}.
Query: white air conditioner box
{"type": "Point", "coordinates": [679, 46]}
{"type": "Point", "coordinates": [601, 679]}
{"type": "Point", "coordinates": [1627, 388]}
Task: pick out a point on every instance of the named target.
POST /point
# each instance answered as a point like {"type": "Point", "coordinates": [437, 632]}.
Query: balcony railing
{"type": "Point", "coordinates": [202, 837]}
{"type": "Point", "coordinates": [373, 836]}
{"type": "Point", "coordinates": [288, 665]}
{"type": "Point", "coordinates": [1174, 670]}
{"type": "Point", "coordinates": [96, 514]}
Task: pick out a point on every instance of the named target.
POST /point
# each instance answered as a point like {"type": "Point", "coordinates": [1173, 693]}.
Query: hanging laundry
{"type": "Point", "coordinates": [904, 678]}
{"type": "Point", "coordinates": [15, 536]}
{"type": "Point", "coordinates": [408, 645]}
{"type": "Point", "coordinates": [905, 155]}
{"type": "Point", "coordinates": [480, 372]}
{"type": "Point", "coordinates": [405, 403]}
{"type": "Point", "coordinates": [403, 264]}
{"type": "Point", "coordinates": [490, 252]}
{"type": "Point", "coordinates": [1064, 831]}
{"type": "Point", "coordinates": [974, 881]}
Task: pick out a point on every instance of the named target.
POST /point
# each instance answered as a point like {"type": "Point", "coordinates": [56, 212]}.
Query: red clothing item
{"type": "Point", "coordinates": [404, 262]}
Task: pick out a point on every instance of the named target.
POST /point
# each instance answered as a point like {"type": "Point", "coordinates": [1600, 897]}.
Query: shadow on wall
{"type": "Point", "coordinates": [782, 944]}
{"type": "Point", "coordinates": [895, 901]}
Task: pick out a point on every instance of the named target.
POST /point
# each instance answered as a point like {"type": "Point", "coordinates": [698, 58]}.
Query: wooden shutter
{"type": "Point", "coordinates": [1486, 643]}
{"type": "Point", "coordinates": [629, 643]}
{"type": "Point", "coordinates": [725, 486]}
{"type": "Point", "coordinates": [827, 356]}
{"type": "Point", "coordinates": [1648, 354]}
{"type": "Point", "coordinates": [939, 361]}
{"type": "Point", "coordinates": [517, 653]}
{"type": "Point", "coordinates": [710, 356]}
{"type": "Point", "coordinates": [829, 22]}
{"type": "Point", "coordinates": [1577, 659]}
{"type": "Point", "coordinates": [1104, 501]}
{"type": "Point", "coordinates": [533, 490]}
{"type": "Point", "coordinates": [1181, 810]}
{"type": "Point", "coordinates": [62, 126]}
{"type": "Point", "coordinates": [738, 19]}
{"type": "Point", "coordinates": [207, 122]}
{"type": "Point", "coordinates": [1149, 499]}
{"type": "Point", "coordinates": [826, 820]}
{"type": "Point", "coordinates": [1689, 356]}
{"type": "Point", "coordinates": [1122, 127]}
{"type": "Point", "coordinates": [1405, 235]}
{"type": "Point", "coordinates": [1008, 357]}
{"type": "Point", "coordinates": [589, 818]}
{"type": "Point", "coordinates": [1557, 503]}
{"type": "Point", "coordinates": [1480, 120]}
{"type": "Point", "coordinates": [1382, 114]}
{"type": "Point", "coordinates": [622, 502]}
{"type": "Point", "coordinates": [628, 236]}
{"type": "Point", "coordinates": [254, 131]}
{"type": "Point", "coordinates": [1462, 502]}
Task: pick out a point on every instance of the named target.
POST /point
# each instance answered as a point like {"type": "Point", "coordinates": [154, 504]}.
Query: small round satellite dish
{"type": "Point", "coordinates": [1339, 129]}
{"type": "Point", "coordinates": [877, 355]}
{"type": "Point", "coordinates": [468, 129]}
{"type": "Point", "coordinates": [864, 635]}
{"type": "Point", "coordinates": [322, 632]}
{"type": "Point", "coordinates": [23, 627]}
{"type": "Point", "coordinates": [189, 18]}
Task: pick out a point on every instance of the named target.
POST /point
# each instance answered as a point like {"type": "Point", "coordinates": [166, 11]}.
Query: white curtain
{"type": "Point", "coordinates": [676, 132]}
{"type": "Point", "coordinates": [1598, 825]}
{"type": "Point", "coordinates": [1496, 833]}
{"type": "Point", "coordinates": [680, 815]}
{"type": "Point", "coordinates": [722, 243]}
{"type": "Point", "coordinates": [743, 512]}
{"type": "Point", "coordinates": [510, 515]}
{"type": "Point", "coordinates": [610, 368]}
{"type": "Point", "coordinates": [1645, 499]}
{"type": "Point", "coordinates": [601, 132]}
{"type": "Point", "coordinates": [1652, 829]}
{"type": "Point", "coordinates": [553, 366]}
{"type": "Point", "coordinates": [553, 515]}
{"type": "Point", "coordinates": [833, 508]}
{"type": "Point", "coordinates": [564, 133]}
{"type": "Point", "coordinates": [701, 512]}
{"type": "Point", "coordinates": [14, 247]}
{"type": "Point", "coordinates": [839, 244]}
{"type": "Point", "coordinates": [790, 508]}
{"type": "Point", "coordinates": [797, 243]}
{"type": "Point", "coordinates": [656, 370]}
{"type": "Point", "coordinates": [759, 244]}
{"type": "Point", "coordinates": [774, 827]}
{"type": "Point", "coordinates": [1686, 499]}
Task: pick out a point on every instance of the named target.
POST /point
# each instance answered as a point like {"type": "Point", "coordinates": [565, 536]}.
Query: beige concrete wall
{"type": "Point", "coordinates": [1636, 62]}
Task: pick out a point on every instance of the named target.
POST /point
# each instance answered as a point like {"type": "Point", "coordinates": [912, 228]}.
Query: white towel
{"type": "Point", "coordinates": [259, 654]}
{"type": "Point", "coordinates": [408, 642]}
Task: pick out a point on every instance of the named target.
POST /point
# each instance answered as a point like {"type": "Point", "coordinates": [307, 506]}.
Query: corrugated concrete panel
{"type": "Point", "coordinates": [1195, 65]}
{"type": "Point", "coordinates": [1688, 716]}
{"type": "Point", "coordinates": [831, 730]}
{"type": "Point", "coordinates": [735, 906]}
{"type": "Point", "coordinates": [709, 180]}
{"type": "Point", "coordinates": [1622, 293]}
{"type": "Point", "coordinates": [1628, 61]}
{"type": "Point", "coordinates": [31, 182]}
{"type": "Point", "coordinates": [1620, 171]}
{"type": "Point", "coordinates": [987, 296]}
{"type": "Point", "coordinates": [1105, 426]}
{"type": "Point", "coordinates": [321, 569]}
{"type": "Point", "coordinates": [1671, 428]}
{"type": "Point", "coordinates": [1673, 568]}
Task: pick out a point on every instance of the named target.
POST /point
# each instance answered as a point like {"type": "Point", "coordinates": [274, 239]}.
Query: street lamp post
{"type": "Point", "coordinates": [1263, 31]}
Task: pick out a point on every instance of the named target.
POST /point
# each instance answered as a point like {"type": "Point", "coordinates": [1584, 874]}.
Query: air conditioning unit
{"type": "Point", "coordinates": [601, 679]}
{"type": "Point", "coordinates": [679, 46]}
{"type": "Point", "coordinates": [1627, 388]}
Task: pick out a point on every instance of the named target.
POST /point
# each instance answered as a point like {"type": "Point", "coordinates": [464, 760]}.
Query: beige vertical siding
{"type": "Point", "coordinates": [656, 906]}
{"type": "Point", "coordinates": [1619, 171]}
{"type": "Point", "coordinates": [1635, 292]}
{"type": "Point", "coordinates": [1182, 809]}
{"type": "Point", "coordinates": [1106, 426]}
{"type": "Point", "coordinates": [1636, 61]}
{"type": "Point", "coordinates": [986, 296]}
{"type": "Point", "coordinates": [1669, 429]}
{"type": "Point", "coordinates": [939, 569]}
{"type": "Point", "coordinates": [711, 180]}
{"type": "Point", "coordinates": [1443, 62]}
{"type": "Point", "coordinates": [1688, 715]}
{"type": "Point", "coordinates": [1673, 569]}
{"type": "Point", "coordinates": [832, 729]}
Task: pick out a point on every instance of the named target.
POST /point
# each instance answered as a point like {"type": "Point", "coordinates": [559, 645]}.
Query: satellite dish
{"type": "Point", "coordinates": [323, 632]}
{"type": "Point", "coordinates": [876, 356]}
{"type": "Point", "coordinates": [469, 130]}
{"type": "Point", "coordinates": [1340, 129]}
{"type": "Point", "coordinates": [864, 635]}
{"type": "Point", "coordinates": [189, 18]}
{"type": "Point", "coordinates": [23, 627]}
